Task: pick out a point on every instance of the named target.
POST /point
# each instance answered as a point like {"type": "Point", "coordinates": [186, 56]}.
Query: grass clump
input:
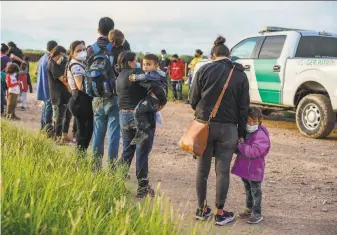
{"type": "Point", "coordinates": [46, 190]}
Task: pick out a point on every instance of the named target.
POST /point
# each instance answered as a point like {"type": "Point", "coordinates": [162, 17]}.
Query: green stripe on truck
{"type": "Point", "coordinates": [268, 82]}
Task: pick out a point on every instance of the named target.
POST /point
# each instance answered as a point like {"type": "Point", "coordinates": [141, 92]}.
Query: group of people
{"type": "Point", "coordinates": [15, 80]}
{"type": "Point", "coordinates": [128, 101]}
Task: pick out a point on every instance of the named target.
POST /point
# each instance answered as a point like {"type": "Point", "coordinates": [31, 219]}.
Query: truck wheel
{"type": "Point", "coordinates": [315, 117]}
{"type": "Point", "coordinates": [267, 112]}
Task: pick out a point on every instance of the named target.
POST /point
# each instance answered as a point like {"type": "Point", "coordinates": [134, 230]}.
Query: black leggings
{"type": "Point", "coordinates": [63, 117]}
{"type": "Point", "coordinates": [80, 105]}
{"type": "Point", "coordinates": [222, 141]}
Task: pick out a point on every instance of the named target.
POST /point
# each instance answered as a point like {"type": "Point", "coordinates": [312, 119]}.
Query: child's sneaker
{"type": "Point", "coordinates": [23, 109]}
{"type": "Point", "coordinates": [247, 213]}
{"type": "Point", "coordinates": [255, 219]}
{"type": "Point", "coordinates": [201, 214]}
{"type": "Point", "coordinates": [139, 137]}
{"type": "Point", "coordinates": [225, 218]}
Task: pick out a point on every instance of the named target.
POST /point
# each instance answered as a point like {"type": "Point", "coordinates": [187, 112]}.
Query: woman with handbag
{"type": "Point", "coordinates": [220, 98]}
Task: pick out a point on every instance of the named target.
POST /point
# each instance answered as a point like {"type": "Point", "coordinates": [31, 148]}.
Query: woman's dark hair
{"type": "Point", "coordinates": [51, 45]}
{"type": "Point", "coordinates": [71, 51]}
{"type": "Point", "coordinates": [255, 114]}
{"type": "Point", "coordinates": [123, 59]}
{"type": "Point", "coordinates": [12, 68]}
{"type": "Point", "coordinates": [199, 51]}
{"type": "Point", "coordinates": [11, 44]}
{"type": "Point", "coordinates": [175, 56]}
{"type": "Point", "coordinates": [105, 24]}
{"type": "Point", "coordinates": [163, 51]}
{"type": "Point", "coordinates": [23, 66]}
{"type": "Point", "coordinates": [219, 48]}
{"type": "Point", "coordinates": [4, 48]}
{"type": "Point", "coordinates": [57, 51]}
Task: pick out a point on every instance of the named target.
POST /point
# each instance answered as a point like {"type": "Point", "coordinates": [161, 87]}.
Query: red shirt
{"type": "Point", "coordinates": [23, 78]}
{"type": "Point", "coordinates": [177, 70]}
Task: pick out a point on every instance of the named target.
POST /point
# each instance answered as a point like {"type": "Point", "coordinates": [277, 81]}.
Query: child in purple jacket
{"type": "Point", "coordinates": [250, 164]}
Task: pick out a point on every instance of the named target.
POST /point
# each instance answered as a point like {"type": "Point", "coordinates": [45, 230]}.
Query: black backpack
{"type": "Point", "coordinates": [97, 82]}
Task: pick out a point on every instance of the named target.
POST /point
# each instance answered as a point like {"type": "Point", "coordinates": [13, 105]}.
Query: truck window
{"type": "Point", "coordinates": [272, 47]}
{"type": "Point", "coordinates": [316, 47]}
{"type": "Point", "coordinates": [245, 49]}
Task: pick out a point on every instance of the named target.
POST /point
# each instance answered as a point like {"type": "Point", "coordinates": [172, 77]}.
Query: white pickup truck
{"type": "Point", "coordinates": [296, 70]}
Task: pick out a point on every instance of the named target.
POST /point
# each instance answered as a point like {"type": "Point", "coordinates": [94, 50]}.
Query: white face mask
{"type": "Point", "coordinates": [14, 74]}
{"type": "Point", "coordinates": [251, 129]}
{"type": "Point", "coordinates": [82, 56]}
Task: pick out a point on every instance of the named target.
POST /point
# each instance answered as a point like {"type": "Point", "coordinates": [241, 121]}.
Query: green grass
{"type": "Point", "coordinates": [32, 69]}
{"type": "Point", "coordinates": [46, 190]}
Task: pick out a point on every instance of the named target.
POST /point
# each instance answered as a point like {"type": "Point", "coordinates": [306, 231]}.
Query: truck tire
{"type": "Point", "coordinates": [315, 117]}
{"type": "Point", "coordinates": [267, 112]}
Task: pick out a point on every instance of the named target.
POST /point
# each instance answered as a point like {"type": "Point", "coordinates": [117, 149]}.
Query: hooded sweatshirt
{"type": "Point", "coordinates": [249, 163]}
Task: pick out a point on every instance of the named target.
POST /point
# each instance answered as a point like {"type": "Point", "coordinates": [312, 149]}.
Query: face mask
{"type": "Point", "coordinates": [14, 74]}
{"type": "Point", "coordinates": [251, 129]}
{"type": "Point", "coordinates": [163, 55]}
{"type": "Point", "coordinates": [81, 56]}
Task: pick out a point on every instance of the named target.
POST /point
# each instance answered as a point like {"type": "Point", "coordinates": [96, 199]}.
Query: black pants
{"type": "Point", "coordinates": [62, 119]}
{"type": "Point", "coordinates": [177, 87]}
{"type": "Point", "coordinates": [253, 196]}
{"type": "Point", "coordinates": [222, 141]}
{"type": "Point", "coordinates": [141, 114]}
{"type": "Point", "coordinates": [80, 105]}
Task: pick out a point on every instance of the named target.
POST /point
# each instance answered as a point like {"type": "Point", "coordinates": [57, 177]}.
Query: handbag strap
{"type": "Point", "coordinates": [218, 102]}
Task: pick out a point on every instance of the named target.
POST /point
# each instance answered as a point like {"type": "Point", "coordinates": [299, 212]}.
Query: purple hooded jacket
{"type": "Point", "coordinates": [249, 163]}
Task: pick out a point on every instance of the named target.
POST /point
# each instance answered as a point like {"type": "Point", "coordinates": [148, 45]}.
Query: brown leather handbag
{"type": "Point", "coordinates": [195, 138]}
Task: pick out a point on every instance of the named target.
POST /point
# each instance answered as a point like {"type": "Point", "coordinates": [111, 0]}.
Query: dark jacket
{"type": "Point", "coordinates": [207, 86]}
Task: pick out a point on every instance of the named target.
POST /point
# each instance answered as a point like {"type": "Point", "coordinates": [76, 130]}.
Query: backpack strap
{"type": "Point", "coordinates": [109, 49]}
{"type": "Point", "coordinates": [95, 47]}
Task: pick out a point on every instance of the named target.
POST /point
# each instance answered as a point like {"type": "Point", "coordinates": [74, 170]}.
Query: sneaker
{"type": "Point", "coordinates": [255, 219]}
{"type": "Point", "coordinates": [187, 102]}
{"type": "Point", "coordinates": [201, 214]}
{"type": "Point", "coordinates": [15, 118]}
{"type": "Point", "coordinates": [225, 218]}
{"type": "Point", "coordinates": [139, 138]}
{"type": "Point", "coordinates": [23, 109]}
{"type": "Point", "coordinates": [143, 192]}
{"type": "Point", "coordinates": [246, 214]}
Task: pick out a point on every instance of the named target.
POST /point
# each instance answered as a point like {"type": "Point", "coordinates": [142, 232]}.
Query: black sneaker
{"type": "Point", "coordinates": [139, 137]}
{"type": "Point", "coordinates": [143, 192]}
{"type": "Point", "coordinates": [255, 219]}
{"type": "Point", "coordinates": [225, 218]}
{"type": "Point", "coordinates": [23, 109]}
{"type": "Point", "coordinates": [201, 214]}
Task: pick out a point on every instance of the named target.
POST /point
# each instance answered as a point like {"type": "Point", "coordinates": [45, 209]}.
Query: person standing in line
{"type": "Point", "coordinates": [177, 72]}
{"type": "Point", "coordinates": [24, 78]}
{"type": "Point", "coordinates": [80, 103]}
{"type": "Point", "coordinates": [106, 111]}
{"type": "Point", "coordinates": [5, 61]}
{"type": "Point", "coordinates": [15, 54]}
{"type": "Point", "coordinates": [42, 91]}
{"type": "Point", "coordinates": [164, 61]}
{"type": "Point", "coordinates": [59, 93]}
{"type": "Point", "coordinates": [13, 85]}
{"type": "Point", "coordinates": [225, 128]}
{"type": "Point", "coordinates": [191, 66]}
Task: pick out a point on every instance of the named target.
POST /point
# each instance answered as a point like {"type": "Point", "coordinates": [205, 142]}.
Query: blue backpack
{"type": "Point", "coordinates": [97, 80]}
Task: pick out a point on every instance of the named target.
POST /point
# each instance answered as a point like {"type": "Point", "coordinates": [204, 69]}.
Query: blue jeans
{"type": "Point", "coordinates": [142, 151]}
{"type": "Point", "coordinates": [47, 114]}
{"type": "Point", "coordinates": [106, 114]}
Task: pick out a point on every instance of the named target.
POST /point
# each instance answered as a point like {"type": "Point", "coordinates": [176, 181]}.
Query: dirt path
{"type": "Point", "coordinates": [299, 192]}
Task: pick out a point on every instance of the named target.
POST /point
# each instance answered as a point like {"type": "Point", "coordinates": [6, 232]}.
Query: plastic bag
{"type": "Point", "coordinates": [159, 118]}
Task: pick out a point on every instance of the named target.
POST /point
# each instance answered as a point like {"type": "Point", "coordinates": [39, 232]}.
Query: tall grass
{"type": "Point", "coordinates": [32, 69]}
{"type": "Point", "coordinates": [46, 190]}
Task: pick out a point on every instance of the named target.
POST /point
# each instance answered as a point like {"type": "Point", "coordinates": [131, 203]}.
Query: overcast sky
{"type": "Point", "coordinates": [179, 27]}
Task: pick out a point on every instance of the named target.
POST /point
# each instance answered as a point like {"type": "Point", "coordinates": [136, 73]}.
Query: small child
{"type": "Point", "coordinates": [116, 38]}
{"type": "Point", "coordinates": [13, 90]}
{"type": "Point", "coordinates": [24, 78]}
{"type": "Point", "coordinates": [154, 80]}
{"type": "Point", "coordinates": [250, 164]}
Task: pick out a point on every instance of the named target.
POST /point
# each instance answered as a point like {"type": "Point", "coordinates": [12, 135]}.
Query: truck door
{"type": "Point", "coordinates": [268, 71]}
{"type": "Point", "coordinates": [244, 53]}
